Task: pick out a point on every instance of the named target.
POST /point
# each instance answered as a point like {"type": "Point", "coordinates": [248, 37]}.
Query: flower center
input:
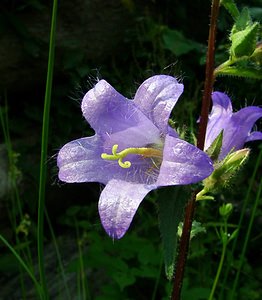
{"type": "Point", "coordinates": [145, 152]}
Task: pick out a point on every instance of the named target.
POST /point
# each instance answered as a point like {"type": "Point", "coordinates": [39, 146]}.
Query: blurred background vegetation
{"type": "Point", "coordinates": [123, 42]}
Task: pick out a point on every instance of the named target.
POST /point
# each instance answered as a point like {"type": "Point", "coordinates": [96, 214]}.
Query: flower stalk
{"type": "Point", "coordinates": [190, 208]}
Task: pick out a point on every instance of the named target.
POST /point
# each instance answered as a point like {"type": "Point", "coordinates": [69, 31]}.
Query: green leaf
{"type": "Point", "coordinates": [178, 44]}
{"type": "Point", "coordinates": [231, 7]}
{"type": "Point", "coordinates": [239, 71]}
{"type": "Point", "coordinates": [123, 279]}
{"type": "Point", "coordinates": [214, 150]}
{"type": "Point", "coordinates": [197, 228]}
{"type": "Point", "coordinates": [244, 41]}
{"type": "Point", "coordinates": [171, 203]}
{"type": "Point", "coordinates": [243, 21]}
{"type": "Point", "coordinates": [243, 35]}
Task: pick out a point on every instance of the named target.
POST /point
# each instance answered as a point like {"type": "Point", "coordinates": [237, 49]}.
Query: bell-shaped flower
{"type": "Point", "coordinates": [237, 127]}
{"type": "Point", "coordinates": [133, 151]}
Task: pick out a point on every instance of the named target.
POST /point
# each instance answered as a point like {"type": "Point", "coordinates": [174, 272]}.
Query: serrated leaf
{"type": "Point", "coordinates": [243, 21]}
{"type": "Point", "coordinates": [244, 41]}
{"type": "Point", "coordinates": [247, 72]}
{"type": "Point", "coordinates": [231, 7]}
{"type": "Point", "coordinates": [214, 149]}
{"type": "Point", "coordinates": [171, 205]}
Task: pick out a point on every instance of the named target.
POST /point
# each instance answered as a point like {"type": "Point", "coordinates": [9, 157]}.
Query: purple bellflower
{"type": "Point", "coordinates": [133, 151]}
{"type": "Point", "coordinates": [237, 126]}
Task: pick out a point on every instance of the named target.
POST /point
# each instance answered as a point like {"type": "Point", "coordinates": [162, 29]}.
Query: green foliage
{"type": "Point", "coordinates": [197, 228]}
{"type": "Point", "coordinates": [243, 36]}
{"type": "Point", "coordinates": [171, 205]}
{"type": "Point", "coordinates": [226, 170]}
{"type": "Point", "coordinates": [231, 7]}
{"type": "Point", "coordinates": [177, 43]}
{"type": "Point", "coordinates": [123, 262]}
{"type": "Point", "coordinates": [215, 148]}
{"type": "Point", "coordinates": [245, 52]}
{"type": "Point", "coordinates": [239, 71]}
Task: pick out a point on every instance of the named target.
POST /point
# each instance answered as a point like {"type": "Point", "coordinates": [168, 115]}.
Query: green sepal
{"type": "Point", "coordinates": [231, 7]}
{"type": "Point", "coordinates": [171, 202]}
{"type": "Point", "coordinates": [225, 170]}
{"type": "Point", "coordinates": [256, 57]}
{"type": "Point", "coordinates": [215, 148]}
{"type": "Point", "coordinates": [241, 71]}
{"type": "Point", "coordinates": [243, 36]}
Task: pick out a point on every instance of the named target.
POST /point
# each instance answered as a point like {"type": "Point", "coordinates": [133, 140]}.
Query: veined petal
{"type": "Point", "coordinates": [156, 98]}
{"type": "Point", "coordinates": [246, 117]}
{"type": "Point", "coordinates": [183, 163]}
{"type": "Point", "coordinates": [221, 101]}
{"type": "Point", "coordinates": [219, 117]}
{"type": "Point", "coordinates": [118, 204]}
{"type": "Point", "coordinates": [109, 112]}
{"type": "Point", "coordinates": [238, 129]}
{"type": "Point", "coordinates": [80, 161]}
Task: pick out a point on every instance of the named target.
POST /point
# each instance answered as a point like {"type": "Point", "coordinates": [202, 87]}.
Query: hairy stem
{"type": "Point", "coordinates": [190, 208]}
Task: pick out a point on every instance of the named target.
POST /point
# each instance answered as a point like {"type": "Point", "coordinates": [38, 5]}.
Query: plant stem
{"type": "Point", "coordinates": [44, 144]}
{"type": "Point", "coordinates": [190, 208]}
{"type": "Point", "coordinates": [222, 258]}
{"type": "Point", "coordinates": [209, 77]}
{"type": "Point", "coordinates": [183, 249]}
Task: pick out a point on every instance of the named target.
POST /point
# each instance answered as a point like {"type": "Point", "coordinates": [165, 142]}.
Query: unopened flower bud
{"type": "Point", "coordinates": [225, 170]}
{"type": "Point", "coordinates": [236, 159]}
{"type": "Point", "coordinates": [225, 209]}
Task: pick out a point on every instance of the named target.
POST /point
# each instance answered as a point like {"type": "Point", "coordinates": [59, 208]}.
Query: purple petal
{"type": "Point", "coordinates": [219, 117]}
{"type": "Point", "coordinates": [118, 204]}
{"type": "Point", "coordinates": [238, 129]}
{"type": "Point", "coordinates": [109, 112]}
{"type": "Point", "coordinates": [80, 161]}
{"type": "Point", "coordinates": [183, 163]}
{"type": "Point", "coordinates": [156, 98]}
{"type": "Point", "coordinates": [254, 136]}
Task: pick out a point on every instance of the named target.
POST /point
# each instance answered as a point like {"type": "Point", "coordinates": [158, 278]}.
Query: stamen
{"type": "Point", "coordinates": [146, 152]}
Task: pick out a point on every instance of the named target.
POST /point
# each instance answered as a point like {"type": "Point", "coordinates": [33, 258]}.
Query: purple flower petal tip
{"type": "Point", "coordinates": [118, 204]}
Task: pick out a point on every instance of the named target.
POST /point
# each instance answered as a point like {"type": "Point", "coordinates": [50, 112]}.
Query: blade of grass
{"type": "Point", "coordinates": [60, 264]}
{"type": "Point", "coordinates": [44, 144]}
{"type": "Point", "coordinates": [243, 210]}
{"type": "Point", "coordinates": [83, 289]}
{"type": "Point", "coordinates": [16, 206]}
{"type": "Point", "coordinates": [247, 236]}
{"type": "Point", "coordinates": [24, 266]}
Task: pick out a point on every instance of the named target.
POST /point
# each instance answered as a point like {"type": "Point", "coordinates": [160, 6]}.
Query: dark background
{"type": "Point", "coordinates": [123, 42]}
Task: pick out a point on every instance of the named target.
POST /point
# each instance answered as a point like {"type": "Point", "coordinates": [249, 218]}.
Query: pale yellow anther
{"type": "Point", "coordinates": [146, 152]}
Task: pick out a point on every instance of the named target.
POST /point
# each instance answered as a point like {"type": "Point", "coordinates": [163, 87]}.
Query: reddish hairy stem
{"type": "Point", "coordinates": [190, 208]}
{"type": "Point", "coordinates": [209, 78]}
